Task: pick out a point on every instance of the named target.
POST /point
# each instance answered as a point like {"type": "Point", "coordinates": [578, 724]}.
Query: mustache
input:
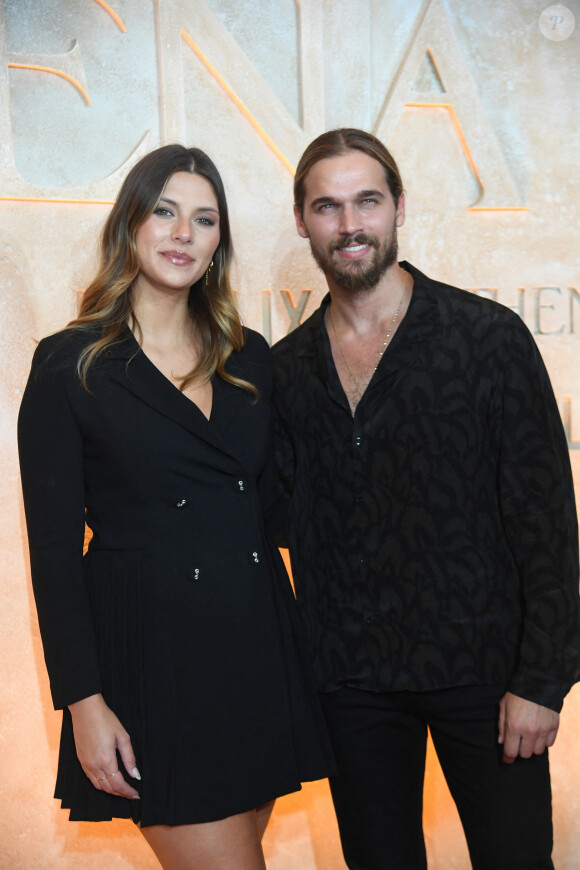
{"type": "Point", "coordinates": [358, 239]}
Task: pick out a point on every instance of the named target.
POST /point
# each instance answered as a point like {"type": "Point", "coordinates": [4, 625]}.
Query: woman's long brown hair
{"type": "Point", "coordinates": [106, 303]}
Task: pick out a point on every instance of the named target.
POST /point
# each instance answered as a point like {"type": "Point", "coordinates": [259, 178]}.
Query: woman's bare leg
{"type": "Point", "coordinates": [263, 814]}
{"type": "Point", "coordinates": [229, 844]}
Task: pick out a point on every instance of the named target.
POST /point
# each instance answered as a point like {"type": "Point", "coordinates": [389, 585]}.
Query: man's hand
{"type": "Point", "coordinates": [525, 728]}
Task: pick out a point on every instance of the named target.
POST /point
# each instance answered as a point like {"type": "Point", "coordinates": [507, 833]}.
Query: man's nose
{"type": "Point", "coordinates": [349, 220]}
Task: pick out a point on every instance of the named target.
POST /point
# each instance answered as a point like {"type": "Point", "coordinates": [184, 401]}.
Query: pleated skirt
{"type": "Point", "coordinates": [213, 684]}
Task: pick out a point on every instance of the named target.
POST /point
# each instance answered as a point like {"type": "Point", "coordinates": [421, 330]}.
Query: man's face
{"type": "Point", "coordinates": [351, 220]}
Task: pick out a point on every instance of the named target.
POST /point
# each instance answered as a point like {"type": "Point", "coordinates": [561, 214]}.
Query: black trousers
{"type": "Point", "coordinates": [380, 745]}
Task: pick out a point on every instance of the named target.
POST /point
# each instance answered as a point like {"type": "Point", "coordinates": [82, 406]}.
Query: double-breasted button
{"type": "Point", "coordinates": [181, 503]}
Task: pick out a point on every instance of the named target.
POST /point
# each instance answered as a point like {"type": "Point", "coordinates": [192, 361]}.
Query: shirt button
{"type": "Point", "coordinates": [181, 503]}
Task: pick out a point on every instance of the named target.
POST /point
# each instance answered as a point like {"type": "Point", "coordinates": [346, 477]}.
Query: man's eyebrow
{"type": "Point", "coordinates": [364, 194]}
{"type": "Point", "coordinates": [321, 200]}
{"type": "Point", "coordinates": [361, 194]}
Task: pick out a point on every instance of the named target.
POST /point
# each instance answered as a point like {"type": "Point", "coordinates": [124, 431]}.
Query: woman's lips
{"type": "Point", "coordinates": [178, 258]}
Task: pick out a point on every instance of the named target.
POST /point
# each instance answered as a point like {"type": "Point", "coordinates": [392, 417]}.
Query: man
{"type": "Point", "coordinates": [432, 530]}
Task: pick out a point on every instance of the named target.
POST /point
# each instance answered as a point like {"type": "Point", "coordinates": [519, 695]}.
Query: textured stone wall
{"type": "Point", "coordinates": [479, 102]}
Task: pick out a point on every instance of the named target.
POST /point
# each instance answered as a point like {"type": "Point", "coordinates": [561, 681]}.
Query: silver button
{"type": "Point", "coordinates": [181, 503]}
{"type": "Point", "coordinates": [255, 557]}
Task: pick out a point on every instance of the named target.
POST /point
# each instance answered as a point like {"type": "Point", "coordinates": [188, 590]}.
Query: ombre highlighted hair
{"type": "Point", "coordinates": [106, 303]}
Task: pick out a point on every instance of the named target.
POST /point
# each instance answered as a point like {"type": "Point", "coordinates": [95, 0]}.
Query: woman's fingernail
{"type": "Point", "coordinates": [136, 774]}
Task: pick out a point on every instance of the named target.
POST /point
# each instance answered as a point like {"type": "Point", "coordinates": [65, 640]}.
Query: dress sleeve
{"type": "Point", "coordinates": [51, 462]}
{"type": "Point", "coordinates": [273, 504]}
{"type": "Point", "coordinates": [539, 515]}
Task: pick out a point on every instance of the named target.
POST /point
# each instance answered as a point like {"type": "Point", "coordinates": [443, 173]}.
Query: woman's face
{"type": "Point", "coordinates": [176, 243]}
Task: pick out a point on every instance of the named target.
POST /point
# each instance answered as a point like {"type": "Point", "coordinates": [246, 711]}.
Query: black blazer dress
{"type": "Point", "coordinates": [181, 612]}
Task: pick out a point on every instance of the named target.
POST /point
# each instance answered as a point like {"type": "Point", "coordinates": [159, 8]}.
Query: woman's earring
{"type": "Point", "coordinates": [208, 273]}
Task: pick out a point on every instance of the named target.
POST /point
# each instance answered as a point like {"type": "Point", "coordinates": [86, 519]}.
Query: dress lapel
{"type": "Point", "coordinates": [226, 404]}
{"type": "Point", "coordinates": [128, 366]}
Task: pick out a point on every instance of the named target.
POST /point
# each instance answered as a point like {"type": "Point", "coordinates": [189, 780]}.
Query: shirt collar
{"type": "Point", "coordinates": [420, 323]}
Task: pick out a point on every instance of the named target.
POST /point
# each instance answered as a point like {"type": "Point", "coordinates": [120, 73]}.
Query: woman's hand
{"type": "Point", "coordinates": [98, 734]}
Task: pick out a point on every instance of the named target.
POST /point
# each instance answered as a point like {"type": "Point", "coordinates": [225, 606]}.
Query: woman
{"type": "Point", "coordinates": [172, 647]}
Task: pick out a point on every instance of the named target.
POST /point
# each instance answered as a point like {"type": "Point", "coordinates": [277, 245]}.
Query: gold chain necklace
{"type": "Point", "coordinates": [381, 351]}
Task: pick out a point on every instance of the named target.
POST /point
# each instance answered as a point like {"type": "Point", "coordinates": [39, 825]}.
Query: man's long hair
{"type": "Point", "coordinates": [335, 143]}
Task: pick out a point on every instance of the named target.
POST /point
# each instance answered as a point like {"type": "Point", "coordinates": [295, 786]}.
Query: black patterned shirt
{"type": "Point", "coordinates": [433, 536]}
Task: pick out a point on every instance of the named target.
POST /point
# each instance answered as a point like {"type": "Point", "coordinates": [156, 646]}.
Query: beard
{"type": "Point", "coordinates": [357, 276]}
